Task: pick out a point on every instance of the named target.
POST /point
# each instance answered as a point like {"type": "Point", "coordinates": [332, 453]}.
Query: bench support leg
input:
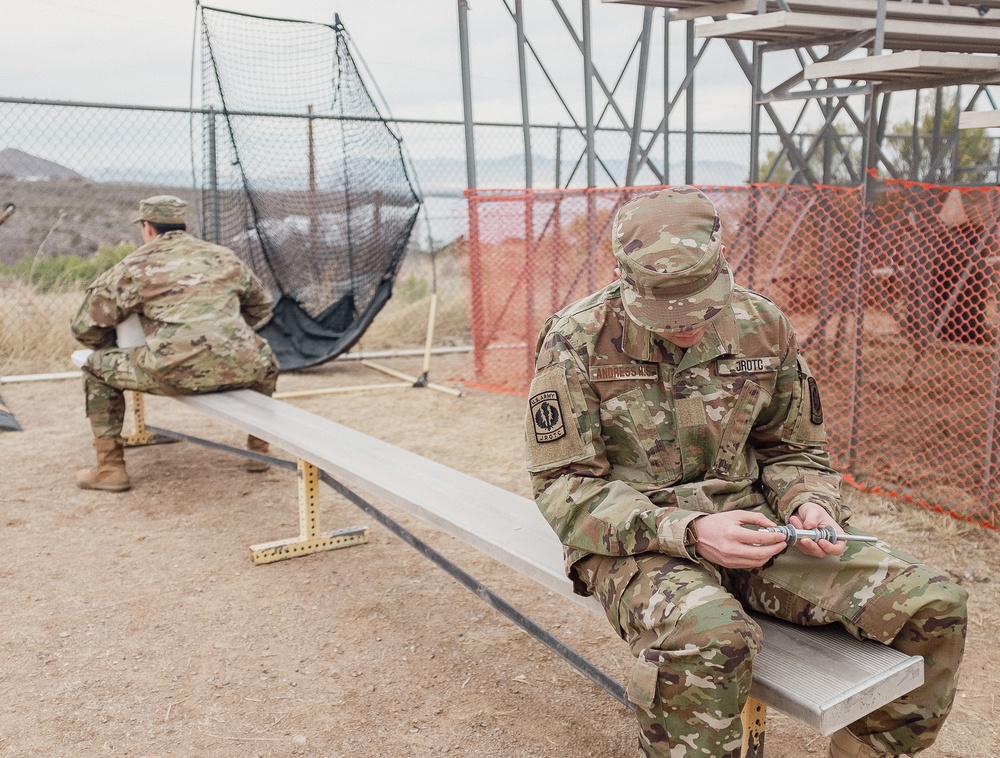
{"type": "Point", "coordinates": [754, 717]}
{"type": "Point", "coordinates": [140, 435]}
{"type": "Point", "coordinates": [310, 539]}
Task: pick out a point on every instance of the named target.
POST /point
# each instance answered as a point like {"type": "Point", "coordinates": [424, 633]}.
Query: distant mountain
{"type": "Point", "coordinates": [446, 177]}
{"type": "Point", "coordinates": [17, 164]}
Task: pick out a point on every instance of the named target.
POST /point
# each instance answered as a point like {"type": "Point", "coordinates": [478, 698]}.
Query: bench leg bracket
{"type": "Point", "coordinates": [754, 717]}
{"type": "Point", "coordinates": [310, 539]}
{"type": "Point", "coordinates": [140, 436]}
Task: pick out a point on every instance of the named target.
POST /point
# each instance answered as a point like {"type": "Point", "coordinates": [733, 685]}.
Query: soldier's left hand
{"type": "Point", "coordinates": [812, 516]}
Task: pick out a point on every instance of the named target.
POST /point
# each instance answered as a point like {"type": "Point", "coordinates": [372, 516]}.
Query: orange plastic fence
{"type": "Point", "coordinates": [911, 396]}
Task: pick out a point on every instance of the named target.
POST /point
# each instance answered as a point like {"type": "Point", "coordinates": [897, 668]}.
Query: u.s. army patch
{"type": "Point", "coordinates": [546, 414]}
{"type": "Point", "coordinates": [552, 432]}
{"type": "Point", "coordinates": [761, 365]}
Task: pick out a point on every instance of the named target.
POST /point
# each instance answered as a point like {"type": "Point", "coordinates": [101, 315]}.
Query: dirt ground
{"type": "Point", "coordinates": [136, 624]}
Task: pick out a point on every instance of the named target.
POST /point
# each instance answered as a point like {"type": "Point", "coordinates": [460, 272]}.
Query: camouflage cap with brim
{"type": "Point", "coordinates": [162, 209]}
{"type": "Point", "coordinates": [668, 245]}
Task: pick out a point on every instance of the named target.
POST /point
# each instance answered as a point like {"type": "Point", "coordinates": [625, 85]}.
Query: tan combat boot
{"type": "Point", "coordinates": [843, 744]}
{"type": "Point", "coordinates": [256, 445]}
{"type": "Point", "coordinates": [110, 474]}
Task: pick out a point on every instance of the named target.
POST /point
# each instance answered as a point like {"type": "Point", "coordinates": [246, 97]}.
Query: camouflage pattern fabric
{"type": "Point", "coordinates": [668, 245]}
{"type": "Point", "coordinates": [197, 304]}
{"type": "Point", "coordinates": [162, 209]}
{"type": "Point", "coordinates": [629, 438]}
{"type": "Point", "coordinates": [651, 436]}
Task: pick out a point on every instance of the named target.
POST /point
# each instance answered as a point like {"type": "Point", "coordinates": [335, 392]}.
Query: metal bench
{"type": "Point", "coordinates": [821, 677]}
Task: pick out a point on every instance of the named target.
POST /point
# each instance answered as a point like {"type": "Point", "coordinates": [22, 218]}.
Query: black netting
{"type": "Point", "coordinates": [304, 178]}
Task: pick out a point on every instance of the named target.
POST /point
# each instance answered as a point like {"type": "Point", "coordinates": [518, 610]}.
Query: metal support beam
{"type": "Point", "coordinates": [609, 93]}
{"type": "Point", "coordinates": [640, 97]}
{"type": "Point", "coordinates": [754, 718]}
{"type": "Point", "coordinates": [665, 123]}
{"type": "Point", "coordinates": [310, 539]}
{"type": "Point", "coordinates": [522, 76]}
{"type": "Point", "coordinates": [588, 93]}
{"type": "Point", "coordinates": [140, 436]}
{"type": "Point", "coordinates": [212, 223]}
{"type": "Point", "coordinates": [463, 46]}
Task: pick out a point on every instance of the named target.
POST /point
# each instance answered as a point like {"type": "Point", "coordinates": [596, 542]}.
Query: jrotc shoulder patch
{"type": "Point", "coordinates": [547, 417]}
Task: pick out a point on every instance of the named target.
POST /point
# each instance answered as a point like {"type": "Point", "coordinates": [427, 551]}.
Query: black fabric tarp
{"type": "Point", "coordinates": [7, 421]}
{"type": "Point", "coordinates": [299, 340]}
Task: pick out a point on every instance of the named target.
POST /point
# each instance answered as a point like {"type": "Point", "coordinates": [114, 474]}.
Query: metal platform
{"type": "Point", "coordinates": [911, 68]}
{"type": "Point", "coordinates": [957, 12]}
{"type": "Point", "coordinates": [790, 27]}
{"type": "Point", "coordinates": [979, 119]}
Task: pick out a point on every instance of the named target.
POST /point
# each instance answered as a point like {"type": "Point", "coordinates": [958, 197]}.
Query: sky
{"type": "Point", "coordinates": [139, 52]}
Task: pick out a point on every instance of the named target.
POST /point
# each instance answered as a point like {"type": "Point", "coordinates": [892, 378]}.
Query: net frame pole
{"type": "Point", "coordinates": [213, 179]}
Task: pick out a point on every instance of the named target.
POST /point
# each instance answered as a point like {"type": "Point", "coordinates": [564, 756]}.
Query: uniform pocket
{"type": "Point", "coordinates": [641, 686]}
{"type": "Point", "coordinates": [607, 578]}
{"type": "Point", "coordinates": [807, 427]}
{"type": "Point", "coordinates": [640, 449]}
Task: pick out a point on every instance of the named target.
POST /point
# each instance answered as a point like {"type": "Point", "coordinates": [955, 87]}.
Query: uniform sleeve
{"type": "Point", "coordinates": [108, 300]}
{"type": "Point", "coordinates": [256, 302]}
{"type": "Point", "coordinates": [790, 444]}
{"type": "Point", "coordinates": [565, 453]}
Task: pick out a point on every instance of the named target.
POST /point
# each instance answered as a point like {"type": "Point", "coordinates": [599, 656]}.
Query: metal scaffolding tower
{"type": "Point", "coordinates": [822, 76]}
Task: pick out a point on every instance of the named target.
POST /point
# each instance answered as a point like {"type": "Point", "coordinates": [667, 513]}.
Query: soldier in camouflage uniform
{"type": "Point", "coordinates": [671, 416]}
{"type": "Point", "coordinates": [197, 304]}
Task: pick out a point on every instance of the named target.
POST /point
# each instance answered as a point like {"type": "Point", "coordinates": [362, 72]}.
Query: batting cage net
{"type": "Point", "coordinates": [894, 305]}
{"type": "Point", "coordinates": [304, 178]}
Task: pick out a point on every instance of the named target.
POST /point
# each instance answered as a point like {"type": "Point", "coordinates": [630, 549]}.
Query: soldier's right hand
{"type": "Point", "coordinates": [724, 540]}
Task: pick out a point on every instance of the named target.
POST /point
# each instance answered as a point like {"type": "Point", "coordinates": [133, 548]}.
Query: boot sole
{"type": "Point", "coordinates": [104, 487]}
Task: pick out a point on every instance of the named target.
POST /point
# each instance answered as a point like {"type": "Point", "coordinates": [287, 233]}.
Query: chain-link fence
{"type": "Point", "coordinates": [911, 396]}
{"type": "Point", "coordinates": [71, 176]}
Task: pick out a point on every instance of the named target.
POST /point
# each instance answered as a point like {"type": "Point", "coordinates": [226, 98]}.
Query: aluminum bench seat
{"type": "Point", "coordinates": [821, 677]}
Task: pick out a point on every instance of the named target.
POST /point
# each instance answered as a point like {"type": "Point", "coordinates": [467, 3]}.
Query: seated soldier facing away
{"type": "Point", "coordinates": [197, 304]}
{"type": "Point", "coordinates": [671, 416]}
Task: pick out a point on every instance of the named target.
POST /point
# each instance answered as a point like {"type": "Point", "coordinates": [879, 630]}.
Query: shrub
{"type": "Point", "coordinates": [65, 272]}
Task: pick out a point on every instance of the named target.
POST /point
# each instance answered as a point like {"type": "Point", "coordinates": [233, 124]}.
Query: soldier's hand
{"type": "Point", "coordinates": [813, 516]}
{"type": "Point", "coordinates": [724, 540]}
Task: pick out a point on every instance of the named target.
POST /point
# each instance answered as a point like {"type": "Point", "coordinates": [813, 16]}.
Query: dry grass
{"type": "Point", "coordinates": [403, 321]}
{"type": "Point", "coordinates": [402, 325]}
{"type": "Point", "coordinates": [966, 551]}
{"type": "Point", "coordinates": [34, 329]}
{"type": "Point", "coordinates": [35, 335]}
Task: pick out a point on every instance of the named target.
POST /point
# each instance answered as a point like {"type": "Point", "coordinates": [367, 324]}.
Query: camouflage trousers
{"type": "Point", "coordinates": [108, 373]}
{"type": "Point", "coordinates": [694, 643]}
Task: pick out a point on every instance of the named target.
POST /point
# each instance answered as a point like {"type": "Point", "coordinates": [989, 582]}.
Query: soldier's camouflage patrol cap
{"type": "Point", "coordinates": [668, 245]}
{"type": "Point", "coordinates": [162, 209]}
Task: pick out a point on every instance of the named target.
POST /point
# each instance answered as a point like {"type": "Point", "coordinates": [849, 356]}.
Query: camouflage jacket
{"type": "Point", "coordinates": [197, 303]}
{"type": "Point", "coordinates": [629, 438]}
